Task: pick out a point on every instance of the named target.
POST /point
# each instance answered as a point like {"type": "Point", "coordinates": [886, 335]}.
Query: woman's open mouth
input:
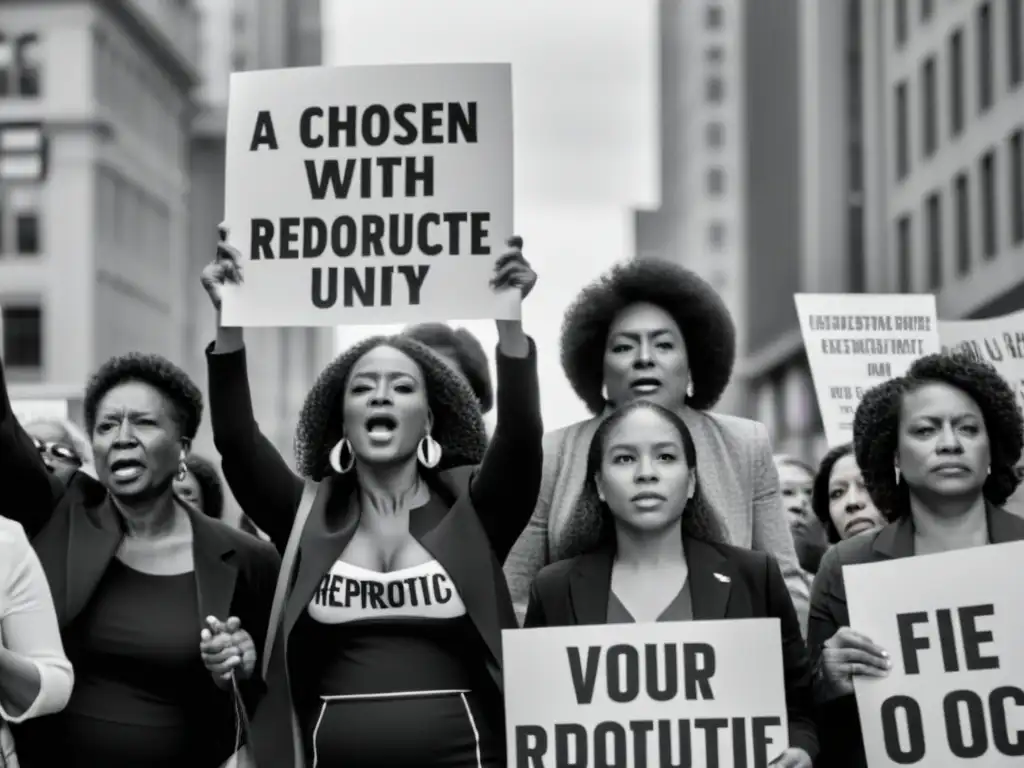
{"type": "Point", "coordinates": [126, 469]}
{"type": "Point", "coordinates": [381, 428]}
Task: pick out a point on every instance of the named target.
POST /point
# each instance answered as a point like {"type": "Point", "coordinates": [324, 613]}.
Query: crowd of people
{"type": "Point", "coordinates": [355, 616]}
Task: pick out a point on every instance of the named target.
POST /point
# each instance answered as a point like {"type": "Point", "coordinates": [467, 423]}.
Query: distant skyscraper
{"type": "Point", "coordinates": [95, 106]}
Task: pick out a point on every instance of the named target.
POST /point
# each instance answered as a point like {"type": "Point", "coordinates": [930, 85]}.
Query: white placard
{"type": "Point", "coordinates": [612, 694]}
{"type": "Point", "coordinates": [365, 195]}
{"type": "Point", "coordinates": [996, 340]}
{"type": "Point", "coordinates": [955, 695]}
{"type": "Point", "coordinates": [855, 341]}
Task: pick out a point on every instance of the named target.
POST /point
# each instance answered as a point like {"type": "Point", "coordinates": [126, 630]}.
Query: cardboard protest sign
{"type": "Point", "coordinates": [27, 411]}
{"type": "Point", "coordinates": [369, 194]}
{"type": "Point", "coordinates": [855, 341]}
{"type": "Point", "coordinates": [955, 695]}
{"type": "Point", "coordinates": [707, 693]}
{"type": "Point", "coordinates": [997, 340]}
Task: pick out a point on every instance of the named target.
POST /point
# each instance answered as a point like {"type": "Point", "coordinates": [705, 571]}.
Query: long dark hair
{"type": "Point", "coordinates": [699, 519]}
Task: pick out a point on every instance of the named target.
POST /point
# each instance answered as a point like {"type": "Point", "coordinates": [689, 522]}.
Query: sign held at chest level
{"type": "Point", "coordinates": [408, 166]}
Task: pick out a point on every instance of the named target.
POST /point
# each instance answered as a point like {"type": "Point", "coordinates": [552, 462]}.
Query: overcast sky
{"type": "Point", "coordinates": [584, 100]}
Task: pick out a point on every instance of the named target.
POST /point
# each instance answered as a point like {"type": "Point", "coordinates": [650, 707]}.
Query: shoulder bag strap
{"type": "Point", "coordinates": [284, 578]}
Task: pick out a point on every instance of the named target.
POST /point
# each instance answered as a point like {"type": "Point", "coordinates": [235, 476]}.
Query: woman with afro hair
{"type": "Point", "coordinates": [387, 649]}
{"type": "Point", "coordinates": [652, 330]}
{"type": "Point", "coordinates": [937, 449]}
{"type": "Point", "coordinates": [134, 573]}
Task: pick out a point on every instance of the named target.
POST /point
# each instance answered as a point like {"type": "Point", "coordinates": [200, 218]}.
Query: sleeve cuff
{"type": "Point", "coordinates": [55, 682]}
{"type": "Point", "coordinates": [518, 395]}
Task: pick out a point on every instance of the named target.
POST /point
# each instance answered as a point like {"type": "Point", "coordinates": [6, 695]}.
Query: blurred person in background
{"type": "Point", "coordinates": [938, 449]}
{"type": "Point", "coordinates": [661, 555]}
{"type": "Point", "coordinates": [134, 573]}
{"type": "Point", "coordinates": [464, 352]}
{"type": "Point", "coordinates": [35, 675]}
{"type": "Point", "coordinates": [63, 446]}
{"type": "Point", "coordinates": [652, 330]}
{"type": "Point", "coordinates": [796, 479]}
{"type": "Point", "coordinates": [840, 499]}
{"type": "Point", "coordinates": [202, 487]}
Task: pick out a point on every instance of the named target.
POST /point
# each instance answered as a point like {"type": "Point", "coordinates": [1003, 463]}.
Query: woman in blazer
{"type": "Point", "coordinates": [655, 331]}
{"type": "Point", "coordinates": [937, 449]}
{"type": "Point", "coordinates": [389, 649]}
{"type": "Point", "coordinates": [134, 572]}
{"type": "Point", "coordinates": [35, 675]}
{"type": "Point", "coordinates": [660, 555]}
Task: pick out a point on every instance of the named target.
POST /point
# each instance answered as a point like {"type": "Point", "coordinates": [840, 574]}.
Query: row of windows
{"type": "Point", "coordinates": [20, 65]}
{"type": "Point", "coordinates": [714, 93]}
{"type": "Point", "coordinates": [132, 219]}
{"type": "Point", "coordinates": [20, 226]}
{"type": "Point", "coordinates": [960, 203]}
{"type": "Point", "coordinates": [22, 337]}
{"type": "Point", "coordinates": [957, 107]}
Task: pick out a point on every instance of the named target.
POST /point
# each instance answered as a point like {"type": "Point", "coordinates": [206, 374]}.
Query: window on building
{"type": "Point", "coordinates": [989, 220]}
{"type": "Point", "coordinates": [6, 64]}
{"type": "Point", "coordinates": [23, 336]}
{"type": "Point", "coordinates": [716, 235]}
{"type": "Point", "coordinates": [902, 132]}
{"type": "Point", "coordinates": [927, 8]}
{"type": "Point", "coordinates": [929, 108]}
{"type": "Point", "coordinates": [716, 181]}
{"type": "Point", "coordinates": [27, 59]}
{"type": "Point", "coordinates": [961, 192]}
{"type": "Point", "coordinates": [715, 135]}
{"type": "Point", "coordinates": [1014, 44]}
{"type": "Point", "coordinates": [26, 229]}
{"type": "Point", "coordinates": [715, 89]}
{"type": "Point", "coordinates": [904, 249]}
{"type": "Point", "coordinates": [1017, 186]}
{"type": "Point", "coordinates": [855, 248]}
{"type": "Point", "coordinates": [239, 60]}
{"type": "Point", "coordinates": [714, 54]}
{"type": "Point", "coordinates": [933, 218]}
{"type": "Point", "coordinates": [985, 69]}
{"type": "Point", "coordinates": [715, 17]}
{"type": "Point", "coordinates": [901, 22]}
{"type": "Point", "coordinates": [956, 82]}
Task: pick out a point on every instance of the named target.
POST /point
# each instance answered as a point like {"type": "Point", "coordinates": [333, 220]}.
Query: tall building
{"type": "Point", "coordinates": [95, 109]}
{"type": "Point", "coordinates": [883, 155]}
{"type": "Point", "coordinates": [701, 223]}
{"type": "Point", "coordinates": [239, 35]}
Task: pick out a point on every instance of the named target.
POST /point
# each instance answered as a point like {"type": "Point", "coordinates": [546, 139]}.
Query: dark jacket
{"type": "Point", "coordinates": [838, 718]}
{"type": "Point", "coordinates": [76, 531]}
{"type": "Point", "coordinates": [573, 592]}
{"type": "Point", "coordinates": [490, 506]}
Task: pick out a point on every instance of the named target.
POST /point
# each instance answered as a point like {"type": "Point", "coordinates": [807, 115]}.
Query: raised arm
{"type": "Point", "coordinates": [35, 675]}
{"type": "Point", "coordinates": [771, 532]}
{"type": "Point", "coordinates": [504, 489]}
{"type": "Point", "coordinates": [259, 478]}
{"type": "Point", "coordinates": [32, 491]}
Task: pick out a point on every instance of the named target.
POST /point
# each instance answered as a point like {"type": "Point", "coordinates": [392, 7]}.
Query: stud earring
{"type": "Point", "coordinates": [897, 470]}
{"type": "Point", "coordinates": [429, 452]}
{"type": "Point", "coordinates": [689, 388]}
{"type": "Point", "coordinates": [342, 458]}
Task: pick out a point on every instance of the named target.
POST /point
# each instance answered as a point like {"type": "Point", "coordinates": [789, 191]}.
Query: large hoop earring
{"type": "Point", "coordinates": [182, 471]}
{"type": "Point", "coordinates": [429, 452]}
{"type": "Point", "coordinates": [342, 458]}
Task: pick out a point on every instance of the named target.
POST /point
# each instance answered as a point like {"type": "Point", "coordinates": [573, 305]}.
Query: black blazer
{"type": "Point", "coordinates": [573, 592]}
{"type": "Point", "coordinates": [838, 718]}
{"type": "Point", "coordinates": [76, 531]}
{"type": "Point", "coordinates": [491, 505]}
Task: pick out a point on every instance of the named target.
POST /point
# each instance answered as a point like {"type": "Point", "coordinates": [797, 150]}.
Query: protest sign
{"type": "Point", "coordinates": [997, 340]}
{"type": "Point", "coordinates": [368, 194]}
{"type": "Point", "coordinates": [27, 411]}
{"type": "Point", "coordinates": [707, 693]}
{"type": "Point", "coordinates": [955, 695]}
{"type": "Point", "coordinates": [855, 341]}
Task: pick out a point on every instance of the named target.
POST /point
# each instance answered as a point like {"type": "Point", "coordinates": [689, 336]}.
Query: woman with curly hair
{"type": "Point", "coordinates": [463, 351]}
{"type": "Point", "coordinates": [840, 499]}
{"type": "Point", "coordinates": [388, 650]}
{"type": "Point", "coordinates": [661, 555]}
{"type": "Point", "coordinates": [652, 330]}
{"type": "Point", "coordinates": [937, 448]}
{"type": "Point", "coordinates": [134, 573]}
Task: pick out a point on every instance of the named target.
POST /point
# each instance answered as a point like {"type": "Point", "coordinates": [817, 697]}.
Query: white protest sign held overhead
{"type": "Point", "coordinates": [701, 693]}
{"type": "Point", "coordinates": [366, 195]}
{"type": "Point", "coordinates": [855, 341]}
{"type": "Point", "coordinates": [997, 340]}
{"type": "Point", "coordinates": [955, 693]}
